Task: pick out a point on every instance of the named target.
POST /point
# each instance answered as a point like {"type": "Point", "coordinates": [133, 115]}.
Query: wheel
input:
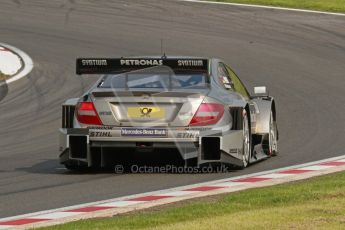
{"type": "Point", "coordinates": [273, 137]}
{"type": "Point", "coordinates": [76, 166]}
{"type": "Point", "coordinates": [192, 162]}
{"type": "Point", "coordinates": [246, 140]}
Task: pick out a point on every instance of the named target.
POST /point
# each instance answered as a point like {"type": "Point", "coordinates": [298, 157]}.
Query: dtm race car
{"type": "Point", "coordinates": [197, 106]}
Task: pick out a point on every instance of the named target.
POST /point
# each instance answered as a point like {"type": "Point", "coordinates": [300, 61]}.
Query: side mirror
{"type": "Point", "coordinates": [261, 91]}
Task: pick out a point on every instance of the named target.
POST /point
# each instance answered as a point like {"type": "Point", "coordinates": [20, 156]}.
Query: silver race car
{"type": "Point", "coordinates": [197, 106]}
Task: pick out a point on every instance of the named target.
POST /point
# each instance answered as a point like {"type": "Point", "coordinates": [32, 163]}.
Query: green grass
{"type": "Point", "coordinates": [3, 76]}
{"type": "Point", "coordinates": [317, 203]}
{"type": "Point", "coordinates": [322, 5]}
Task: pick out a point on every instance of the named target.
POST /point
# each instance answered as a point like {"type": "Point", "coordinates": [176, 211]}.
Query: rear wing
{"type": "Point", "coordinates": [121, 65]}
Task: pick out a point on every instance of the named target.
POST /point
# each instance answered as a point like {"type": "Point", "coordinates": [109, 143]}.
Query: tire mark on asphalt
{"type": "Point", "coordinates": [18, 3]}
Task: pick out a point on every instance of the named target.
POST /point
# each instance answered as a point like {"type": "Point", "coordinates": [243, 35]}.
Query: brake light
{"type": "Point", "coordinates": [87, 114]}
{"type": "Point", "coordinates": [207, 114]}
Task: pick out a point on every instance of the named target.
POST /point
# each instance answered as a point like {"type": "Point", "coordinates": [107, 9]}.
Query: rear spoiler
{"type": "Point", "coordinates": [120, 65]}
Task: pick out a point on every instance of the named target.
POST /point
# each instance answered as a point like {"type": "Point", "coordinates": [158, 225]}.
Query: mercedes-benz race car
{"type": "Point", "coordinates": [197, 106]}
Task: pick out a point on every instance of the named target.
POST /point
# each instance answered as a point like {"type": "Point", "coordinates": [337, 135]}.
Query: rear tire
{"type": "Point", "coordinates": [76, 166]}
{"type": "Point", "coordinates": [192, 162]}
{"type": "Point", "coordinates": [273, 137]}
{"type": "Point", "coordinates": [247, 140]}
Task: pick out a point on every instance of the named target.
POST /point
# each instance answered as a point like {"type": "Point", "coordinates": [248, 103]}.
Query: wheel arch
{"type": "Point", "coordinates": [264, 106]}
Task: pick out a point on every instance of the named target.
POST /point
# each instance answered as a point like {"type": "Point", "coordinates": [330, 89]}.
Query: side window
{"type": "Point", "coordinates": [224, 77]}
{"type": "Point", "coordinates": [237, 83]}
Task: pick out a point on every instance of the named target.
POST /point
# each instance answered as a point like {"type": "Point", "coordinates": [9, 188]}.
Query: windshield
{"type": "Point", "coordinates": [154, 79]}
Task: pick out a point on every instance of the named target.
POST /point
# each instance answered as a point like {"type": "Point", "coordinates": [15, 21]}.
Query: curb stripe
{"type": "Point", "coordinates": [4, 49]}
{"type": "Point", "coordinates": [89, 209]}
{"type": "Point", "coordinates": [252, 179]}
{"type": "Point", "coordinates": [316, 167]}
{"type": "Point", "coordinates": [334, 163]}
{"type": "Point", "coordinates": [58, 215]}
{"type": "Point", "coordinates": [141, 201]}
{"type": "Point", "coordinates": [179, 193]}
{"type": "Point", "coordinates": [295, 171]}
{"type": "Point", "coordinates": [149, 198]}
{"type": "Point", "coordinates": [274, 175]}
{"type": "Point", "coordinates": [230, 184]}
{"type": "Point", "coordinates": [22, 221]}
{"type": "Point", "coordinates": [341, 160]}
{"type": "Point", "coordinates": [120, 204]}
{"type": "Point", "coordinates": [204, 188]}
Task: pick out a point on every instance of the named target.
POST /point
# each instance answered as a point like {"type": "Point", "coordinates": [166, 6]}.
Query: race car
{"type": "Point", "coordinates": [198, 106]}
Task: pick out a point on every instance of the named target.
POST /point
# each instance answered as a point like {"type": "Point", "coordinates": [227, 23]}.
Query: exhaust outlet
{"type": "Point", "coordinates": [210, 148]}
{"type": "Point", "coordinates": [78, 147]}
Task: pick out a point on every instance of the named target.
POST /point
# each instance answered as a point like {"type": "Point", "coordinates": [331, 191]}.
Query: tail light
{"type": "Point", "coordinates": [87, 114]}
{"type": "Point", "coordinates": [207, 114]}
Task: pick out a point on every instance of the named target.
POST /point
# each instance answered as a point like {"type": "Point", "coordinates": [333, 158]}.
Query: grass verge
{"type": "Point", "coordinates": [3, 76]}
{"type": "Point", "coordinates": [321, 5]}
{"type": "Point", "coordinates": [317, 203]}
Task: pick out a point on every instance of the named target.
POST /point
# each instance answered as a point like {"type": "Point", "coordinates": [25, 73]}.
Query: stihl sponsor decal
{"type": "Point", "coordinates": [100, 134]}
{"type": "Point", "coordinates": [188, 134]}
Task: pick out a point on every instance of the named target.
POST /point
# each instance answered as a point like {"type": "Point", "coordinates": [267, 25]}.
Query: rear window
{"type": "Point", "coordinates": [133, 80]}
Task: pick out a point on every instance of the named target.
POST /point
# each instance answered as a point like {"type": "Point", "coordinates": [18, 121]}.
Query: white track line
{"type": "Point", "coordinates": [57, 215]}
{"type": "Point", "coordinates": [140, 201]}
{"type": "Point", "coordinates": [27, 62]}
{"type": "Point", "coordinates": [120, 203]}
{"type": "Point", "coordinates": [264, 7]}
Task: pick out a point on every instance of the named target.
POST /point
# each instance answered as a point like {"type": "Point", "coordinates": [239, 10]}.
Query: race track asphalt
{"type": "Point", "coordinates": [300, 57]}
